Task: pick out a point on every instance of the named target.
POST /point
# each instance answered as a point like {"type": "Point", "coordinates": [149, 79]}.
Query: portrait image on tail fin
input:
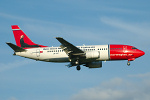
{"type": "Point", "coordinates": [25, 45]}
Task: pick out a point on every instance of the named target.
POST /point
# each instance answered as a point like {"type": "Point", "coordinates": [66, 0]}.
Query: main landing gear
{"type": "Point", "coordinates": [128, 63]}
{"type": "Point", "coordinates": [78, 67]}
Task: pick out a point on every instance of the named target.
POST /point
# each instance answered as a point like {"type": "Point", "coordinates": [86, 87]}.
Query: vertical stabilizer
{"type": "Point", "coordinates": [22, 40]}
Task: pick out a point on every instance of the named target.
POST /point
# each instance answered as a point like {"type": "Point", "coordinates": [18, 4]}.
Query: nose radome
{"type": "Point", "coordinates": [142, 53]}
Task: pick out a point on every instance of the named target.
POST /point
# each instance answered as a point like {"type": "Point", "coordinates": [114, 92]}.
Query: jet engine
{"type": "Point", "coordinates": [97, 64]}
{"type": "Point", "coordinates": [92, 55]}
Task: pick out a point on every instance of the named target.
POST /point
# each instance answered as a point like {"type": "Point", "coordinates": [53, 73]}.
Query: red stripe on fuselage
{"type": "Point", "coordinates": [124, 52]}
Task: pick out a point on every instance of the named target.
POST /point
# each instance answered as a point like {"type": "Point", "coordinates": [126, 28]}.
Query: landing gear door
{"type": "Point", "coordinates": [38, 52]}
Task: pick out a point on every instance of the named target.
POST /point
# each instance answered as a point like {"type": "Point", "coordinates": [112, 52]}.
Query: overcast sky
{"type": "Point", "coordinates": [89, 22]}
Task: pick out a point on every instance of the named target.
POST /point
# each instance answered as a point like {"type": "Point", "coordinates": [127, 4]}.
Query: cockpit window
{"type": "Point", "coordinates": [134, 48]}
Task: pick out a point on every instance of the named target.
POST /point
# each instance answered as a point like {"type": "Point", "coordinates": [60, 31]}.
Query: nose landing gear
{"type": "Point", "coordinates": [128, 63]}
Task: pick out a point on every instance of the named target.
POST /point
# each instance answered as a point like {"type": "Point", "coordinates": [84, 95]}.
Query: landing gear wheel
{"type": "Point", "coordinates": [78, 67]}
{"type": "Point", "coordinates": [128, 63]}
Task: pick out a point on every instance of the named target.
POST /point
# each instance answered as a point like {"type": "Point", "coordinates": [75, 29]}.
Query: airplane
{"type": "Point", "coordinates": [90, 56]}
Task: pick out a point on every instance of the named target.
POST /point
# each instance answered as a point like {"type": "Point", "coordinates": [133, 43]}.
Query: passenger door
{"type": "Point", "coordinates": [38, 52]}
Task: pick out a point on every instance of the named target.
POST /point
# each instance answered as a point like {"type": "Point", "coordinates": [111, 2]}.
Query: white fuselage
{"type": "Point", "coordinates": [56, 54]}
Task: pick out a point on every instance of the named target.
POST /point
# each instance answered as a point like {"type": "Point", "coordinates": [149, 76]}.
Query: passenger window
{"type": "Point", "coordinates": [134, 48]}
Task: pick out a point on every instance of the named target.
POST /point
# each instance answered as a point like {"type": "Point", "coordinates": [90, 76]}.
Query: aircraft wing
{"type": "Point", "coordinates": [69, 48]}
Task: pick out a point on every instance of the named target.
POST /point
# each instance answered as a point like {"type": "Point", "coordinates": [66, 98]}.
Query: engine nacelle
{"type": "Point", "coordinates": [94, 64]}
{"type": "Point", "coordinates": [92, 55]}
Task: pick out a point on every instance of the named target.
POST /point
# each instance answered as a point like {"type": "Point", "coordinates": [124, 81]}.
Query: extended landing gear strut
{"type": "Point", "coordinates": [78, 67]}
{"type": "Point", "coordinates": [128, 63]}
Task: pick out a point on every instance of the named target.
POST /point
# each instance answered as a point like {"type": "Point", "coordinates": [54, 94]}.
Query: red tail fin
{"type": "Point", "coordinates": [22, 40]}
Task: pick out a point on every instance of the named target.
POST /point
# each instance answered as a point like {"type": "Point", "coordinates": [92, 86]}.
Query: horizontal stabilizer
{"type": "Point", "coordinates": [15, 48]}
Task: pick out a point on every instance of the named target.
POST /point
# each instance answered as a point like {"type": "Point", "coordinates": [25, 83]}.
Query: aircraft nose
{"type": "Point", "coordinates": [141, 53]}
